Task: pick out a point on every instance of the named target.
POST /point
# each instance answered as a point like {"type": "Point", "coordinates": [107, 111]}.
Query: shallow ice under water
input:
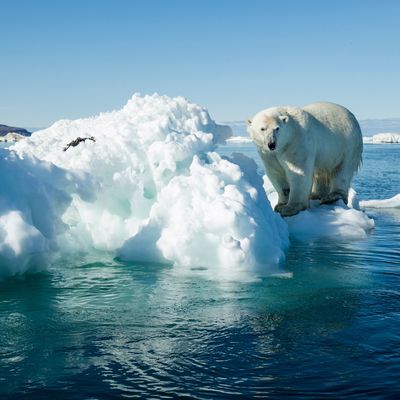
{"type": "Point", "coordinates": [151, 188]}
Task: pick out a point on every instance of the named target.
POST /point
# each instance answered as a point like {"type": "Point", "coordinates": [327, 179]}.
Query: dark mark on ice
{"type": "Point", "coordinates": [76, 141]}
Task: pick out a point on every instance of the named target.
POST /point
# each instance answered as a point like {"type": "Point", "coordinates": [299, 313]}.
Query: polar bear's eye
{"type": "Point", "coordinates": [277, 129]}
{"type": "Point", "coordinates": [263, 129]}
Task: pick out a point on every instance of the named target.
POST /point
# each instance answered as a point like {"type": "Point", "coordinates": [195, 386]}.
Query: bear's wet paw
{"type": "Point", "coordinates": [315, 196]}
{"type": "Point", "coordinates": [333, 198]}
{"type": "Point", "coordinates": [279, 206]}
{"type": "Point", "coordinates": [288, 211]}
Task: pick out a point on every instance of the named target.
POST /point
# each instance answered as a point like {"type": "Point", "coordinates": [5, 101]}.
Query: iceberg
{"type": "Point", "coordinates": [150, 188]}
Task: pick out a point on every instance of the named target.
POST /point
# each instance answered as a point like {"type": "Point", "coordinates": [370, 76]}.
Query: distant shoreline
{"type": "Point", "coordinates": [380, 138]}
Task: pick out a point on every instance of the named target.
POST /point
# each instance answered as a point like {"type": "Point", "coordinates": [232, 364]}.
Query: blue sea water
{"type": "Point", "coordinates": [102, 329]}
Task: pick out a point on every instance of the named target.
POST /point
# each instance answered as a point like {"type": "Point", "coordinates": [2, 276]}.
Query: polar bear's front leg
{"type": "Point", "coordinates": [281, 186]}
{"type": "Point", "coordinates": [283, 198]}
{"type": "Point", "coordinates": [340, 184]}
{"type": "Point", "coordinates": [300, 182]}
{"type": "Point", "coordinates": [277, 176]}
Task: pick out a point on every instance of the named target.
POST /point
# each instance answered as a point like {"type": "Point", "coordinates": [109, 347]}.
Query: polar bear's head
{"type": "Point", "coordinates": [269, 130]}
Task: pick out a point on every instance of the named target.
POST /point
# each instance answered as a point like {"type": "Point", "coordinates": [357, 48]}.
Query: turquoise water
{"type": "Point", "coordinates": [100, 329]}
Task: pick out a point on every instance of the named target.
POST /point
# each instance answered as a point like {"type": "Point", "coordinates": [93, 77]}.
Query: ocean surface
{"type": "Point", "coordinates": [96, 328]}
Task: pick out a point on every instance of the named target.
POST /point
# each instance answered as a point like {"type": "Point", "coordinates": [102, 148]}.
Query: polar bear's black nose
{"type": "Point", "coordinates": [271, 145]}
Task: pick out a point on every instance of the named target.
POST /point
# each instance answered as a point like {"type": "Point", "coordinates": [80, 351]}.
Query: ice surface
{"type": "Point", "coordinates": [158, 190]}
{"type": "Point", "coordinates": [336, 221]}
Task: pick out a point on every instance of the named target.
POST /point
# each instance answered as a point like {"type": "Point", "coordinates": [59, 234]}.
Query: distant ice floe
{"type": "Point", "coordinates": [393, 202]}
{"type": "Point", "coordinates": [238, 140]}
{"type": "Point", "coordinates": [376, 139]}
{"type": "Point", "coordinates": [382, 138]}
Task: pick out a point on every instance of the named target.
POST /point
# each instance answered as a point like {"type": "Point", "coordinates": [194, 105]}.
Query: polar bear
{"type": "Point", "coordinates": [310, 152]}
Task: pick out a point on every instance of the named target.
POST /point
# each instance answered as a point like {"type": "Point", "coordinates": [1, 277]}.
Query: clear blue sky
{"type": "Point", "coordinates": [70, 59]}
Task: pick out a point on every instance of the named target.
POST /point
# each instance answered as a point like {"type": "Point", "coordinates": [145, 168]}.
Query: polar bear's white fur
{"type": "Point", "coordinates": [310, 152]}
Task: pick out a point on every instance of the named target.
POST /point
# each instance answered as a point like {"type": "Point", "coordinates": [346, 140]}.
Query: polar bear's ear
{"type": "Point", "coordinates": [248, 121]}
{"type": "Point", "coordinates": [284, 118]}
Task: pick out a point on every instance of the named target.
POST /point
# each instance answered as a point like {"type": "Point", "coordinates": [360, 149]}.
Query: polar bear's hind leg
{"type": "Point", "coordinates": [299, 194]}
{"type": "Point", "coordinates": [321, 186]}
{"type": "Point", "coordinates": [339, 185]}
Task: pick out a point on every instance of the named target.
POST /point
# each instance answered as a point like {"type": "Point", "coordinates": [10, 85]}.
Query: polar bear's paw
{"type": "Point", "coordinates": [279, 207]}
{"type": "Point", "coordinates": [334, 197]}
{"type": "Point", "coordinates": [293, 209]}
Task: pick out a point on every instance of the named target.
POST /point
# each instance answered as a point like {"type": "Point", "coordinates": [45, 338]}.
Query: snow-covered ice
{"type": "Point", "coordinates": [336, 221]}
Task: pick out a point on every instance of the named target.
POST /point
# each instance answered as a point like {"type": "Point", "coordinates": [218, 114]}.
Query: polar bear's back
{"type": "Point", "coordinates": [335, 117]}
{"type": "Point", "coordinates": [336, 130]}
